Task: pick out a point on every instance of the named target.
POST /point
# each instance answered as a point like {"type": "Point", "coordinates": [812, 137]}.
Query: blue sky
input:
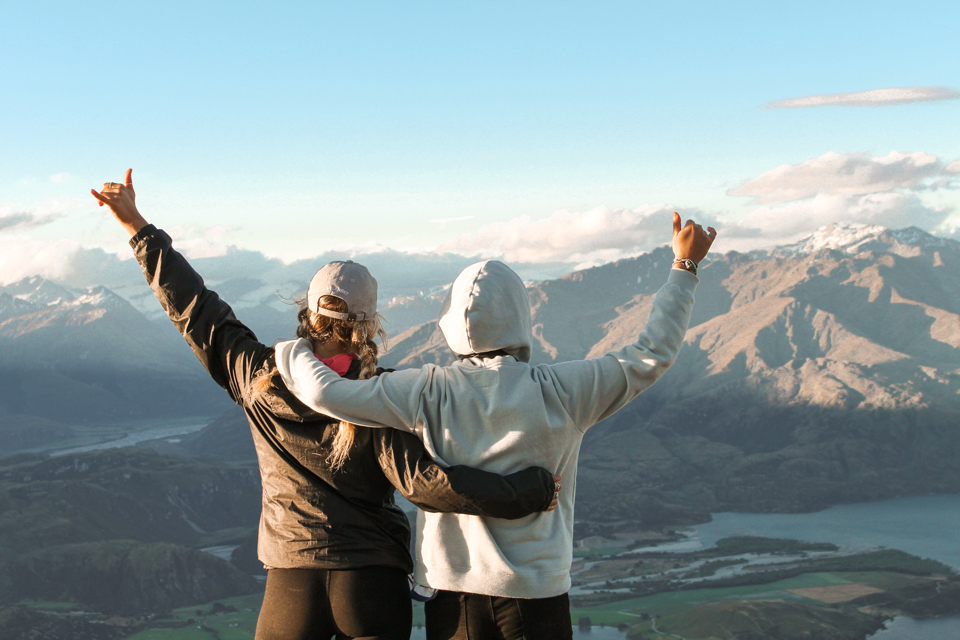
{"type": "Point", "coordinates": [485, 128]}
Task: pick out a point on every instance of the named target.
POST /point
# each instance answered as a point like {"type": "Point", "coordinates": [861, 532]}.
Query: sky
{"type": "Point", "coordinates": [538, 132]}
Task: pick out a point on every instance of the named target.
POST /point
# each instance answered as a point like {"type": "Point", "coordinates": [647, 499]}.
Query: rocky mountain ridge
{"type": "Point", "coordinates": [822, 372]}
{"type": "Point", "coordinates": [78, 356]}
{"type": "Point", "coordinates": [819, 373]}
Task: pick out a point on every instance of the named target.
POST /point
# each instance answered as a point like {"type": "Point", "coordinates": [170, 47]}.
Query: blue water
{"type": "Point", "coordinates": [910, 629]}
{"type": "Point", "coordinates": [926, 526]}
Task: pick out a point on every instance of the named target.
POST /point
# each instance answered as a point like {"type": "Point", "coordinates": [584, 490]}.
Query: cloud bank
{"type": "Point", "coordinates": [790, 202]}
{"type": "Point", "coordinates": [581, 238]}
{"type": "Point", "coordinates": [840, 174]}
{"type": "Point", "coordinates": [840, 188]}
{"type": "Point", "coordinates": [871, 98]}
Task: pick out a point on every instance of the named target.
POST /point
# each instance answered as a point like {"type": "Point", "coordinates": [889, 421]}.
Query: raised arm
{"type": "Point", "coordinates": [591, 390]}
{"type": "Point", "coordinates": [227, 349]}
{"type": "Point", "coordinates": [462, 489]}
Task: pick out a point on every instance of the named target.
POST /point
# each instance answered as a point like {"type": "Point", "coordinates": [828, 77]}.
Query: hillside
{"type": "Point", "coordinates": [118, 530]}
{"type": "Point", "coordinates": [818, 373]}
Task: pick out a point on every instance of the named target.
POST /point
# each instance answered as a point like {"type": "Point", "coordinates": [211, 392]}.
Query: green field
{"type": "Point", "coordinates": [672, 602]}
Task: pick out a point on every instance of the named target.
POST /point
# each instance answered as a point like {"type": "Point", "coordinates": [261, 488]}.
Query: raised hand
{"type": "Point", "coordinates": [122, 200]}
{"type": "Point", "coordinates": [691, 241]}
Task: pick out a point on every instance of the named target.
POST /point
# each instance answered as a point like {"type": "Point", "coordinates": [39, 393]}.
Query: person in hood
{"type": "Point", "coordinates": [334, 542]}
{"type": "Point", "coordinates": [493, 409]}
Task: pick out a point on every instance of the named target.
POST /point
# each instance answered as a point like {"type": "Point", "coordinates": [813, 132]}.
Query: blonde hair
{"type": "Point", "coordinates": [354, 336]}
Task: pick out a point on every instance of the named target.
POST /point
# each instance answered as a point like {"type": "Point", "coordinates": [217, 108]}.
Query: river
{"type": "Point", "coordinates": [132, 435]}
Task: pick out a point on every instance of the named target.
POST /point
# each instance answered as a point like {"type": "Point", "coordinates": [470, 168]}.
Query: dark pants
{"type": "Point", "coordinates": [468, 616]}
{"type": "Point", "coordinates": [372, 603]}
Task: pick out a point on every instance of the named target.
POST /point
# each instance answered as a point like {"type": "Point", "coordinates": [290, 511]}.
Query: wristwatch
{"type": "Point", "coordinates": [687, 264]}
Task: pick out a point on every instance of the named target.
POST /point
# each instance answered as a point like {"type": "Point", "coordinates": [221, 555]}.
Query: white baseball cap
{"type": "Point", "coordinates": [349, 281]}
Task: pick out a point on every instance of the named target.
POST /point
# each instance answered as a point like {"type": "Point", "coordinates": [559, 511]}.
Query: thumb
{"type": "Point", "coordinates": [128, 178]}
{"type": "Point", "coordinates": [676, 223]}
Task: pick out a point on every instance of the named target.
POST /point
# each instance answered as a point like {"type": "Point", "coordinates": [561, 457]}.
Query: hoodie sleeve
{"type": "Point", "coordinates": [227, 349]}
{"type": "Point", "coordinates": [389, 400]}
{"type": "Point", "coordinates": [591, 390]}
{"type": "Point", "coordinates": [459, 489]}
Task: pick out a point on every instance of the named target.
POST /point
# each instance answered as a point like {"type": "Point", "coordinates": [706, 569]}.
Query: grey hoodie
{"type": "Point", "coordinates": [501, 414]}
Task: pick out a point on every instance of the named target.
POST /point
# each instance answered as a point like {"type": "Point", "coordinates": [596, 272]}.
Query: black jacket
{"type": "Point", "coordinates": [314, 517]}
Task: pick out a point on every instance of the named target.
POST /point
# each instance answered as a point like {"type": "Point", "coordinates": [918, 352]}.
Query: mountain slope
{"type": "Point", "coordinates": [113, 529]}
{"type": "Point", "coordinates": [75, 356]}
{"type": "Point", "coordinates": [823, 372]}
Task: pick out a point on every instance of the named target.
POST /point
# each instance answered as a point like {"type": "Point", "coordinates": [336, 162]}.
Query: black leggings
{"type": "Point", "coordinates": [468, 616]}
{"type": "Point", "coordinates": [372, 603]}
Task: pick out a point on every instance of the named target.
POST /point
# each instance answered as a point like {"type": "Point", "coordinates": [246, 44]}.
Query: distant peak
{"type": "Point", "coordinates": [98, 297]}
{"type": "Point", "coordinates": [37, 290]}
{"type": "Point", "coordinates": [855, 238]}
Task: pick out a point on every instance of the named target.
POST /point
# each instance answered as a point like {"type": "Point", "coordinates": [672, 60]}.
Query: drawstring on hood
{"type": "Point", "coordinates": [487, 309]}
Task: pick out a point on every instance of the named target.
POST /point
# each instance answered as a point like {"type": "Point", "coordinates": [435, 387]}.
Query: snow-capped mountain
{"type": "Point", "coordinates": [73, 356]}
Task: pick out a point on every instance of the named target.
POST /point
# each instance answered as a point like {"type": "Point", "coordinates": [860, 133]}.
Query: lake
{"type": "Point", "coordinates": [926, 526]}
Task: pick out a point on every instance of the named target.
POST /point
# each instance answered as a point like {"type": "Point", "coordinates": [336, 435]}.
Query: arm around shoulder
{"type": "Point", "coordinates": [460, 489]}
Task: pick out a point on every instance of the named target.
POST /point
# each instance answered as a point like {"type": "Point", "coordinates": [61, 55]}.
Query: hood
{"type": "Point", "coordinates": [487, 309]}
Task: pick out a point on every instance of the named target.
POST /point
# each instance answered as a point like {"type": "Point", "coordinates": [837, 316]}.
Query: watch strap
{"type": "Point", "coordinates": [688, 264]}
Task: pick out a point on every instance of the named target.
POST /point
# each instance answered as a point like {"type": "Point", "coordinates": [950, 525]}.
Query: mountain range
{"type": "Point", "coordinates": [86, 356]}
{"type": "Point", "coordinates": [821, 372]}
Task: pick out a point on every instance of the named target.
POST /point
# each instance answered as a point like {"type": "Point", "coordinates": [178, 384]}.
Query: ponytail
{"type": "Point", "coordinates": [357, 337]}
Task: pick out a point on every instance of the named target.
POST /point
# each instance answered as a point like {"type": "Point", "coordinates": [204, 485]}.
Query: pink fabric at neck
{"type": "Point", "coordinates": [339, 363]}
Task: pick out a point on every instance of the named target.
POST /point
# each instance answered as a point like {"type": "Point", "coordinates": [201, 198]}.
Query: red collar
{"type": "Point", "coordinates": [340, 363]}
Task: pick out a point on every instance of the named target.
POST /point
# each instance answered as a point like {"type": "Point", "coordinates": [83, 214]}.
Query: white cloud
{"type": "Point", "coordinates": [579, 237]}
{"type": "Point", "coordinates": [14, 219]}
{"type": "Point", "coordinates": [872, 98]}
{"type": "Point", "coordinates": [23, 220]}
{"type": "Point", "coordinates": [841, 174]}
{"type": "Point", "coordinates": [21, 257]}
{"type": "Point", "coordinates": [953, 167]}
{"type": "Point", "coordinates": [201, 242]}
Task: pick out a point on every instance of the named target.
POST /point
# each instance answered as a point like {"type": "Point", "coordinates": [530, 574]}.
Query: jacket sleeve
{"type": "Point", "coordinates": [459, 489]}
{"type": "Point", "coordinates": [227, 349]}
{"type": "Point", "coordinates": [591, 390]}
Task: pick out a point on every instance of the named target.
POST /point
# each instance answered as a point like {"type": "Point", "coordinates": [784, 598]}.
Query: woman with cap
{"type": "Point", "coordinates": [335, 544]}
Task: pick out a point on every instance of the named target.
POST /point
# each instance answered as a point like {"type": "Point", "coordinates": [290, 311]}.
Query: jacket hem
{"type": "Point", "coordinates": [514, 585]}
